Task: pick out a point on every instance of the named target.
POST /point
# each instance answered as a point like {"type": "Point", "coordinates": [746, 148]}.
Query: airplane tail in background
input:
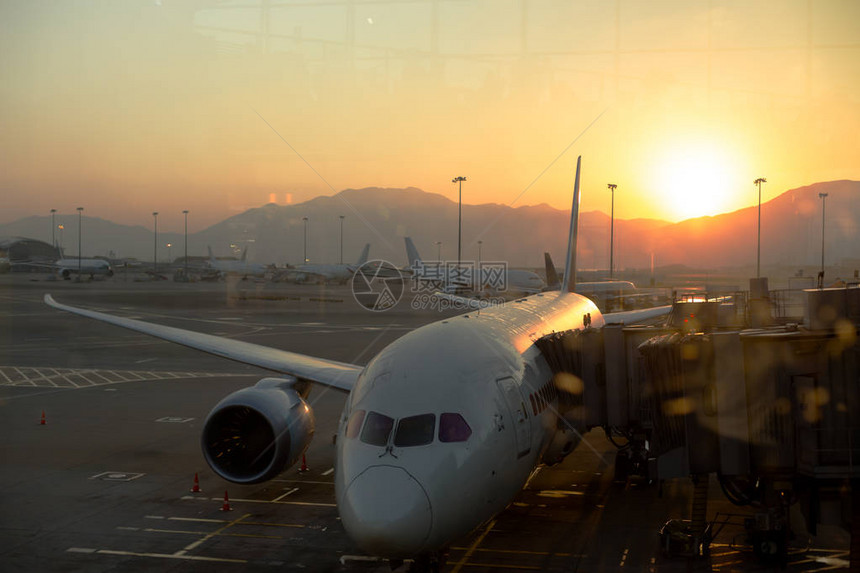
{"type": "Point", "coordinates": [552, 280]}
{"type": "Point", "coordinates": [211, 256]}
{"type": "Point", "coordinates": [568, 284]}
{"type": "Point", "coordinates": [363, 258]}
{"type": "Point", "coordinates": [244, 253]}
{"type": "Point", "coordinates": [412, 255]}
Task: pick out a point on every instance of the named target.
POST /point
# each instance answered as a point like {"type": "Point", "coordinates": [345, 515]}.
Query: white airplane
{"type": "Point", "coordinates": [327, 273]}
{"type": "Point", "coordinates": [516, 281]}
{"type": "Point", "coordinates": [440, 431]}
{"type": "Point", "coordinates": [65, 268]}
{"type": "Point", "coordinates": [610, 287]}
{"type": "Point", "coordinates": [242, 267]}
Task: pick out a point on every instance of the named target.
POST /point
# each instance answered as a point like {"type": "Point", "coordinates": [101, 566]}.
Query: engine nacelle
{"type": "Point", "coordinates": [254, 434]}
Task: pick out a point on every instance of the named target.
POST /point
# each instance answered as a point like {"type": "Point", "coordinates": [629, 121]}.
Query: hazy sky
{"type": "Point", "coordinates": [130, 107]}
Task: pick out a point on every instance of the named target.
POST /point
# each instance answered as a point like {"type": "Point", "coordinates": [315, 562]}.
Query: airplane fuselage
{"type": "Point", "coordinates": [442, 430]}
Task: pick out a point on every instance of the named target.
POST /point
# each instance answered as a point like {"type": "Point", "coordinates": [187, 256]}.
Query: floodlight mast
{"type": "Point", "coordinates": [758, 182]}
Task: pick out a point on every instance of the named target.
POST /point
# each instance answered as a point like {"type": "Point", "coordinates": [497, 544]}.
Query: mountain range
{"type": "Point", "coordinates": [790, 223]}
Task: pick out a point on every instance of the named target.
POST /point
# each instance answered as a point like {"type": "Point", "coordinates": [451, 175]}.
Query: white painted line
{"type": "Point", "coordinates": [167, 556]}
{"type": "Point", "coordinates": [153, 517]}
{"type": "Point", "coordinates": [282, 496]}
{"type": "Point", "coordinates": [265, 501]}
{"type": "Point", "coordinates": [199, 519]}
{"type": "Point", "coordinates": [303, 481]}
{"type": "Point", "coordinates": [128, 528]}
{"type": "Point", "coordinates": [344, 559]}
{"type": "Point", "coordinates": [328, 471]}
{"type": "Point", "coordinates": [80, 550]}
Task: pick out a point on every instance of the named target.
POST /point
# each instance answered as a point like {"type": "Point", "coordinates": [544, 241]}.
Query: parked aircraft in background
{"type": "Point", "coordinates": [473, 278]}
{"type": "Point", "coordinates": [242, 267]}
{"type": "Point", "coordinates": [65, 268]}
{"type": "Point", "coordinates": [314, 272]}
{"type": "Point", "coordinates": [440, 431]}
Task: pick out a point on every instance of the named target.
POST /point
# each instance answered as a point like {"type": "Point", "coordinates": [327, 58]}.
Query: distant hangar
{"type": "Point", "coordinates": [17, 250]}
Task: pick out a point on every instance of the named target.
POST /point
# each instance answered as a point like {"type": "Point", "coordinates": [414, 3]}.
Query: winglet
{"type": "Point", "coordinates": [568, 284]}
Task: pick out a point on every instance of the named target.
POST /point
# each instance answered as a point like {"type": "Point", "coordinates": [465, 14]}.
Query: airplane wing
{"type": "Point", "coordinates": [634, 316]}
{"type": "Point", "coordinates": [338, 375]}
{"type": "Point", "coordinates": [625, 317]}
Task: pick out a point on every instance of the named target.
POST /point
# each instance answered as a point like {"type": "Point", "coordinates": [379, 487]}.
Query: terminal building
{"type": "Point", "coordinates": [17, 252]}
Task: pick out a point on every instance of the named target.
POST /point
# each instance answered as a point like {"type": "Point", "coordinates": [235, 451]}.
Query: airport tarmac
{"type": "Point", "coordinates": [104, 484]}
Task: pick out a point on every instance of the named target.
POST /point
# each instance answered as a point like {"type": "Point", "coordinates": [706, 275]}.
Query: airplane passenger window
{"type": "Point", "coordinates": [354, 425]}
{"type": "Point", "coordinates": [415, 430]}
{"type": "Point", "coordinates": [453, 428]}
{"type": "Point", "coordinates": [376, 429]}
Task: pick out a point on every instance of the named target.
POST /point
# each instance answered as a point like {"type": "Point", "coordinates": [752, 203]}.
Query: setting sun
{"type": "Point", "coordinates": [695, 179]}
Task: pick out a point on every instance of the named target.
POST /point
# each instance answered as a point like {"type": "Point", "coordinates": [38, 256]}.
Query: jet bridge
{"type": "Point", "coordinates": [772, 411]}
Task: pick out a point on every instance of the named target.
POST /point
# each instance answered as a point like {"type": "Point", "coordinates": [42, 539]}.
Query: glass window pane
{"type": "Point", "coordinates": [354, 425]}
{"type": "Point", "coordinates": [415, 430]}
{"type": "Point", "coordinates": [453, 428]}
{"type": "Point", "coordinates": [376, 429]}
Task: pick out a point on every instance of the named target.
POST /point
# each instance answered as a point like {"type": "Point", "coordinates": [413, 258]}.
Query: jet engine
{"type": "Point", "coordinates": [254, 434]}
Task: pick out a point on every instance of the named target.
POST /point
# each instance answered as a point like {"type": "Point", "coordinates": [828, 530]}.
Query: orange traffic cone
{"type": "Point", "coordinates": [42, 423]}
{"type": "Point", "coordinates": [226, 506]}
{"type": "Point", "coordinates": [304, 467]}
{"type": "Point", "coordinates": [196, 488]}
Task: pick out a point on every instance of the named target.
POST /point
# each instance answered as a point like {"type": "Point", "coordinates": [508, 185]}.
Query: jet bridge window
{"type": "Point", "coordinates": [376, 429]}
{"type": "Point", "coordinates": [453, 428]}
{"type": "Point", "coordinates": [415, 430]}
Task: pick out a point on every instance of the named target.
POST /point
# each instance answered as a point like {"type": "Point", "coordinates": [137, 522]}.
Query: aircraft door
{"type": "Point", "coordinates": [518, 415]}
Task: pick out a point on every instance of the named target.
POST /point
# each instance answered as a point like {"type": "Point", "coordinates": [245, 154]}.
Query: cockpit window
{"type": "Point", "coordinates": [415, 430]}
{"type": "Point", "coordinates": [354, 425]}
{"type": "Point", "coordinates": [376, 429]}
{"type": "Point", "coordinates": [453, 428]}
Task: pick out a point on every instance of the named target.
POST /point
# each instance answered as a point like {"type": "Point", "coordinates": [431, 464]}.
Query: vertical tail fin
{"type": "Point", "coordinates": [211, 256]}
{"type": "Point", "coordinates": [363, 258]}
{"type": "Point", "coordinates": [568, 284]}
{"type": "Point", "coordinates": [552, 280]}
{"type": "Point", "coordinates": [244, 253]}
{"type": "Point", "coordinates": [412, 256]}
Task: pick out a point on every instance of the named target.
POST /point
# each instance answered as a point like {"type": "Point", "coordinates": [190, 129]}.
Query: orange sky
{"type": "Point", "coordinates": [128, 108]}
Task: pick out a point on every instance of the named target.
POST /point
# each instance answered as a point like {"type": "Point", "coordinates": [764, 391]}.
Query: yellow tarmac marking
{"type": "Point", "coordinates": [497, 566]}
{"type": "Point", "coordinates": [209, 536]}
{"type": "Point", "coordinates": [472, 548]}
{"type": "Point", "coordinates": [515, 552]}
{"type": "Point", "coordinates": [181, 531]}
{"type": "Point", "coordinates": [238, 500]}
{"type": "Point", "coordinates": [260, 523]}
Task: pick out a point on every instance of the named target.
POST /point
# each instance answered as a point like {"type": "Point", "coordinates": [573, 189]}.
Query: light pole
{"type": "Point", "coordinates": [62, 228]}
{"type": "Point", "coordinates": [758, 182]}
{"type": "Point", "coordinates": [169, 253]}
{"type": "Point", "coordinates": [80, 221]}
{"type": "Point", "coordinates": [612, 187]}
{"type": "Point", "coordinates": [438, 250]}
{"type": "Point", "coordinates": [823, 197]}
{"type": "Point", "coordinates": [155, 243]}
{"type": "Point", "coordinates": [53, 229]}
{"type": "Point", "coordinates": [342, 217]}
{"type": "Point", "coordinates": [479, 251]}
{"type": "Point", "coordinates": [185, 212]}
{"type": "Point", "coordinates": [459, 216]}
{"type": "Point", "coordinates": [305, 257]}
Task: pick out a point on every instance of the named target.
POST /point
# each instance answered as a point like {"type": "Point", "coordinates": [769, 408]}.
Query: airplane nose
{"type": "Point", "coordinates": [386, 512]}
